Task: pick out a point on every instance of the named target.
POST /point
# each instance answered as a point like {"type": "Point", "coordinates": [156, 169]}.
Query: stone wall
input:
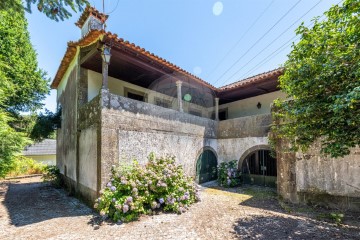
{"type": "Point", "coordinates": [313, 178]}
{"type": "Point", "coordinates": [132, 129]}
{"type": "Point", "coordinates": [237, 136]}
{"type": "Point", "coordinates": [67, 134]}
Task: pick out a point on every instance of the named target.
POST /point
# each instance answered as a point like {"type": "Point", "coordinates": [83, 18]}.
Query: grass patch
{"type": "Point", "coordinates": [257, 192]}
{"type": "Point", "coordinates": [25, 166]}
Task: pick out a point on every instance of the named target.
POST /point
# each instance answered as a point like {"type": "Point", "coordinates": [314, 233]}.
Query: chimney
{"type": "Point", "coordinates": [91, 19]}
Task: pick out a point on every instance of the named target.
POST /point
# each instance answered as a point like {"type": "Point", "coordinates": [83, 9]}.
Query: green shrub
{"type": "Point", "coordinates": [228, 175]}
{"type": "Point", "coordinates": [135, 190]}
{"type": "Point", "coordinates": [337, 217]}
{"type": "Point", "coordinates": [52, 175]}
{"type": "Point", "coordinates": [22, 165]}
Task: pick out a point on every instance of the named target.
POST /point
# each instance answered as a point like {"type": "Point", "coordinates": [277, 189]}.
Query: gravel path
{"type": "Point", "coordinates": [30, 209]}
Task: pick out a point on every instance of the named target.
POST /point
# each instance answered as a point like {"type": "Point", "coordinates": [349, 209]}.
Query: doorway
{"type": "Point", "coordinates": [259, 168]}
{"type": "Point", "coordinates": [206, 167]}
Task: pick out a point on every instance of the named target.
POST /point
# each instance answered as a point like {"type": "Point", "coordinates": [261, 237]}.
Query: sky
{"type": "Point", "coordinates": [219, 41]}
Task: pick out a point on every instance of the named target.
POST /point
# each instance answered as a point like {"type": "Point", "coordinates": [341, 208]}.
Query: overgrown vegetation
{"type": "Point", "coordinates": [335, 217]}
{"type": "Point", "coordinates": [135, 190]}
{"type": "Point", "coordinates": [322, 80]}
{"type": "Point", "coordinates": [25, 166]}
{"type": "Point", "coordinates": [228, 174]}
{"type": "Point", "coordinates": [23, 86]}
{"type": "Point", "coordinates": [52, 175]}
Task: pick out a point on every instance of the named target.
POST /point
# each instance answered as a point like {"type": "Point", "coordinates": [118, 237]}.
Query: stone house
{"type": "Point", "coordinates": [120, 102]}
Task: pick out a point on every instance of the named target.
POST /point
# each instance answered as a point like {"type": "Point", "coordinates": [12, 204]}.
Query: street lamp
{"type": "Point", "coordinates": [106, 55]}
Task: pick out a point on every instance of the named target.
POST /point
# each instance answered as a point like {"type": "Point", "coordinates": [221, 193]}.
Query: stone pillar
{"type": "Point", "coordinates": [216, 109]}
{"type": "Point", "coordinates": [179, 95]}
{"type": "Point", "coordinates": [105, 74]}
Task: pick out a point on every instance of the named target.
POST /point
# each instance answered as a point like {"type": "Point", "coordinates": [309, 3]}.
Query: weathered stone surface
{"type": "Point", "coordinates": [67, 134]}
{"type": "Point", "coordinates": [312, 177]}
{"type": "Point", "coordinates": [88, 158]}
{"type": "Point", "coordinates": [252, 126]}
{"type": "Point", "coordinates": [140, 128]}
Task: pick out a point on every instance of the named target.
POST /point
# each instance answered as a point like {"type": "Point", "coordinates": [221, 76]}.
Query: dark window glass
{"type": "Point", "coordinates": [135, 96]}
{"type": "Point", "coordinates": [162, 103]}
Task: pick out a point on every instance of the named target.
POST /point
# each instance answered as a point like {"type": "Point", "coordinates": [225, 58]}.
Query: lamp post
{"type": "Point", "coordinates": [105, 55]}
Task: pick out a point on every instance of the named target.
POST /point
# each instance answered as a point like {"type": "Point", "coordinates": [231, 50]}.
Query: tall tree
{"type": "Point", "coordinates": [322, 81]}
{"type": "Point", "coordinates": [54, 9]}
{"type": "Point", "coordinates": [22, 84]}
{"type": "Point", "coordinates": [17, 53]}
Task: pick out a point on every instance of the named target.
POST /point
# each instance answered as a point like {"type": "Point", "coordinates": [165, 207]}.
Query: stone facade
{"type": "Point", "coordinates": [102, 126]}
{"type": "Point", "coordinates": [111, 129]}
{"type": "Point", "coordinates": [313, 178]}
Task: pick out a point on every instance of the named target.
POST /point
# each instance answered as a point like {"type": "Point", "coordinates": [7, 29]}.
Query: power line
{"type": "Point", "coordinates": [241, 38]}
{"type": "Point", "coordinates": [280, 49]}
{"type": "Point", "coordinates": [258, 41]}
{"type": "Point", "coordinates": [273, 41]}
{"type": "Point", "coordinates": [268, 58]}
{"type": "Point", "coordinates": [117, 3]}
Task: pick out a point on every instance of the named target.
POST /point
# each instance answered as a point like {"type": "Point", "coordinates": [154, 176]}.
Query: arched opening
{"type": "Point", "coordinates": [259, 168]}
{"type": "Point", "coordinates": [206, 167]}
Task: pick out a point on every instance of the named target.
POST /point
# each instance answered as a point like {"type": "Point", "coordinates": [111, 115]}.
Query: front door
{"type": "Point", "coordinates": [206, 167]}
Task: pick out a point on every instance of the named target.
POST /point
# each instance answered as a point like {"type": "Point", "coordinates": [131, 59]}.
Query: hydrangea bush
{"type": "Point", "coordinates": [135, 189]}
{"type": "Point", "coordinates": [228, 174]}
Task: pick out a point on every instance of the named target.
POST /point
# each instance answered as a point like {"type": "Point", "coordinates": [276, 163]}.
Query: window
{"type": "Point", "coordinates": [133, 94]}
{"type": "Point", "coordinates": [223, 114]}
{"type": "Point", "coordinates": [195, 112]}
{"type": "Point", "coordinates": [163, 103]}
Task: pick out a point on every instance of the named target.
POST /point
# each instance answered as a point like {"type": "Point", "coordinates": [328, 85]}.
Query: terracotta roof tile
{"type": "Point", "coordinates": [122, 44]}
{"type": "Point", "coordinates": [276, 72]}
{"type": "Point", "coordinates": [71, 52]}
{"type": "Point", "coordinates": [90, 11]}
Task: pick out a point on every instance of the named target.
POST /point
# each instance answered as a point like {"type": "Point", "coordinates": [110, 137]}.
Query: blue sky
{"type": "Point", "coordinates": [219, 41]}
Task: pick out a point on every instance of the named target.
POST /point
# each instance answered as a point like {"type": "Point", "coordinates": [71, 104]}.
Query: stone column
{"type": "Point", "coordinates": [216, 109]}
{"type": "Point", "coordinates": [179, 95]}
{"type": "Point", "coordinates": [105, 74]}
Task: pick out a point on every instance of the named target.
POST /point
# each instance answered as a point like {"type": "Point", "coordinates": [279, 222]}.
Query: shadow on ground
{"type": "Point", "coordinates": [289, 227]}
{"type": "Point", "coordinates": [280, 220]}
{"type": "Point", "coordinates": [28, 203]}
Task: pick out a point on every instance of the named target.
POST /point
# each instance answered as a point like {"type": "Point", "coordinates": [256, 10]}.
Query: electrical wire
{"type": "Point", "coordinates": [282, 17]}
{"type": "Point", "coordinates": [241, 38]}
{"type": "Point", "coordinates": [117, 4]}
{"type": "Point", "coordinates": [273, 41]}
{"type": "Point", "coordinates": [280, 49]}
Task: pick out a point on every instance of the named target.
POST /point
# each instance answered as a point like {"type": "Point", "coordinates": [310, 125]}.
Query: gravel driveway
{"type": "Point", "coordinates": [33, 210]}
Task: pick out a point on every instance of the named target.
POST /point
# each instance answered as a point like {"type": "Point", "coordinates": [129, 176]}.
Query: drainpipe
{"type": "Point", "coordinates": [216, 109]}
{"type": "Point", "coordinates": [179, 96]}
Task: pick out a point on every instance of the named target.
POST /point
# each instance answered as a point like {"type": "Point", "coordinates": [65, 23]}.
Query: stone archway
{"type": "Point", "coordinates": [206, 166]}
{"type": "Point", "coordinates": [258, 166]}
